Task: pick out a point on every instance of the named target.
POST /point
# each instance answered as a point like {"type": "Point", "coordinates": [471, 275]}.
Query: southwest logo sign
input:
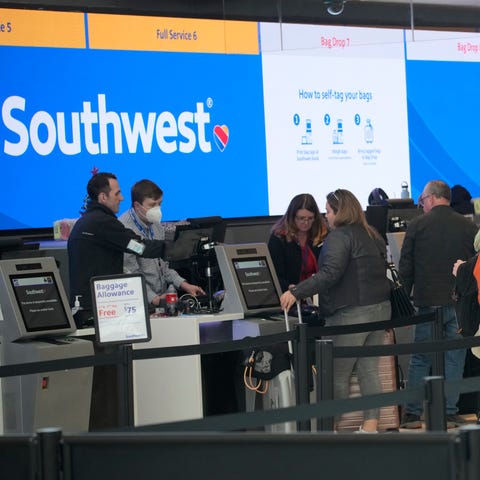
{"type": "Point", "coordinates": [220, 135]}
{"type": "Point", "coordinates": [98, 130]}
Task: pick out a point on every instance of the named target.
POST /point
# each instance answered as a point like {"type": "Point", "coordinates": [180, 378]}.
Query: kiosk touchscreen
{"type": "Point", "coordinates": [250, 281]}
{"type": "Point", "coordinates": [120, 309]}
{"type": "Point", "coordinates": [33, 300]}
{"type": "Point", "coordinates": [35, 323]}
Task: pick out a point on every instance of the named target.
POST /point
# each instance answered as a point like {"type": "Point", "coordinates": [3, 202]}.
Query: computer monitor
{"type": "Point", "coordinates": [250, 281]}
{"type": "Point", "coordinates": [191, 254]}
{"type": "Point", "coordinates": [16, 244]}
{"type": "Point", "coordinates": [401, 202]}
{"type": "Point", "coordinates": [398, 219]}
{"type": "Point", "coordinates": [190, 238]}
{"type": "Point", "coordinates": [376, 216]}
{"type": "Point", "coordinates": [33, 300]}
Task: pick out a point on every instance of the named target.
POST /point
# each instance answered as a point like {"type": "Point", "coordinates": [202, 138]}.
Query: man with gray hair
{"type": "Point", "coordinates": [433, 242]}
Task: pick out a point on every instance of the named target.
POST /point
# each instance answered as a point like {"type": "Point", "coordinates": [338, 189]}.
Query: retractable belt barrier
{"type": "Point", "coordinates": [113, 358]}
{"type": "Point", "coordinates": [51, 454]}
{"type": "Point", "coordinates": [300, 412]}
{"type": "Point", "coordinates": [44, 449]}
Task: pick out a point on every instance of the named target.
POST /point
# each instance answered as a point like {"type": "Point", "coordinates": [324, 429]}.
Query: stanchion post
{"type": "Point", "coordinates": [470, 446]}
{"type": "Point", "coordinates": [324, 379]}
{"type": "Point", "coordinates": [125, 386]}
{"type": "Point", "coordinates": [50, 453]}
{"type": "Point", "coordinates": [434, 404]}
{"type": "Point", "coordinates": [438, 358]}
{"type": "Point", "coordinates": [302, 371]}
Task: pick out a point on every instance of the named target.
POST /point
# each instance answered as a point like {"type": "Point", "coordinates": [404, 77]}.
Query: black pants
{"type": "Point", "coordinates": [470, 402]}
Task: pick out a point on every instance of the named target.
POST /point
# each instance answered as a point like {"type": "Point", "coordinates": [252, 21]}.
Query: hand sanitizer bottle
{"type": "Point", "coordinates": [76, 306]}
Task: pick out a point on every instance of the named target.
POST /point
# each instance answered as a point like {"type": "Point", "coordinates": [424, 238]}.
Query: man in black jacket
{"type": "Point", "coordinates": [433, 242]}
{"type": "Point", "coordinates": [98, 241]}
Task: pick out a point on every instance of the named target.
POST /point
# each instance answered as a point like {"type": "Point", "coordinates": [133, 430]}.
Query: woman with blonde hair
{"type": "Point", "coordinates": [352, 286]}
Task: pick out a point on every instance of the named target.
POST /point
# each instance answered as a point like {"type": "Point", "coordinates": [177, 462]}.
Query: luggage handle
{"type": "Point", "coordinates": [287, 325]}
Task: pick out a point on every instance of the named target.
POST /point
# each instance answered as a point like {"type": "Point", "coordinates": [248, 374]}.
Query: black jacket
{"type": "Point", "coordinates": [466, 297]}
{"type": "Point", "coordinates": [432, 244]}
{"type": "Point", "coordinates": [351, 271]}
{"type": "Point", "coordinates": [96, 246]}
{"type": "Point", "coordinates": [287, 259]}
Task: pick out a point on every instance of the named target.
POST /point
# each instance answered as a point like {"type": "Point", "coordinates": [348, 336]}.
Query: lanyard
{"type": "Point", "coordinates": [147, 231]}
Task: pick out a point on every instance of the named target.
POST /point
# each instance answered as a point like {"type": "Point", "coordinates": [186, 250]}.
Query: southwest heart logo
{"type": "Point", "coordinates": [220, 134]}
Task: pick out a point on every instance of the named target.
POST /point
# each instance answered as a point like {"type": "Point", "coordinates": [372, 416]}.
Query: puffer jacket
{"type": "Point", "coordinates": [352, 271]}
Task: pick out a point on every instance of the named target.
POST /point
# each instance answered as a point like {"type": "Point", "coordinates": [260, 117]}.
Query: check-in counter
{"type": "Point", "coordinates": [175, 388]}
{"type": "Point", "coordinates": [172, 389]}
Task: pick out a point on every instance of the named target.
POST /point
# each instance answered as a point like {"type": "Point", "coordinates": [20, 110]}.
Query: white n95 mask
{"type": "Point", "coordinates": [154, 215]}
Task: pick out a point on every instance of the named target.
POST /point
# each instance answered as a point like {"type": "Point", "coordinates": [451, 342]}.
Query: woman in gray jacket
{"type": "Point", "coordinates": [353, 288]}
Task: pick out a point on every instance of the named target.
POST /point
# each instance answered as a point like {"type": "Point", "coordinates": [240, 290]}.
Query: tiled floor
{"type": "Point", "coordinates": [471, 418]}
{"type": "Point", "coordinates": [348, 428]}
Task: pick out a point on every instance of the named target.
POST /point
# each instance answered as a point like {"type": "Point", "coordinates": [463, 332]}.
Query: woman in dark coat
{"type": "Point", "coordinates": [296, 239]}
{"type": "Point", "coordinates": [467, 307]}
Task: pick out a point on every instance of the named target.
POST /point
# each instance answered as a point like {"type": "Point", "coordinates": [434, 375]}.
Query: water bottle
{"type": "Point", "coordinates": [404, 193]}
{"type": "Point", "coordinates": [171, 299]}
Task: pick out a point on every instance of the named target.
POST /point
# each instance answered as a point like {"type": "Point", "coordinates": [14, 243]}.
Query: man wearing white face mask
{"type": "Point", "coordinates": [98, 241]}
{"type": "Point", "coordinates": [144, 218]}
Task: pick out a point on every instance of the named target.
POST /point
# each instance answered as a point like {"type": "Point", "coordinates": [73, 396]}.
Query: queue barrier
{"type": "Point", "coordinates": [19, 457]}
{"type": "Point", "coordinates": [303, 412]}
{"type": "Point", "coordinates": [51, 455]}
{"type": "Point", "coordinates": [76, 449]}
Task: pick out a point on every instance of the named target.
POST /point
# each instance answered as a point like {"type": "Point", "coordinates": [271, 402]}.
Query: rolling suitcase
{"type": "Point", "coordinates": [276, 387]}
{"type": "Point", "coordinates": [388, 371]}
{"type": "Point", "coordinates": [278, 392]}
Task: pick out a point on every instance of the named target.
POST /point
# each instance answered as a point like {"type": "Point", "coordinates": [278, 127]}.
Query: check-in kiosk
{"type": "Point", "coordinates": [35, 324]}
{"type": "Point", "coordinates": [249, 279]}
{"type": "Point", "coordinates": [252, 287]}
{"type": "Point", "coordinates": [252, 295]}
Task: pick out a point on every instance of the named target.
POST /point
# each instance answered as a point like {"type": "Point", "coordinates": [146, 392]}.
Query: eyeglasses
{"type": "Point", "coordinates": [421, 200]}
{"type": "Point", "coordinates": [305, 219]}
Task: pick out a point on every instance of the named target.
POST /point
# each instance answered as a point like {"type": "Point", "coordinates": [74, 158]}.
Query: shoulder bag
{"type": "Point", "coordinates": [399, 298]}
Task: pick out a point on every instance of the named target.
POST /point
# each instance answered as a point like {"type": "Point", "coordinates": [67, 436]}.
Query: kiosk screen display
{"type": "Point", "coordinates": [256, 282]}
{"type": "Point", "coordinates": [39, 301]}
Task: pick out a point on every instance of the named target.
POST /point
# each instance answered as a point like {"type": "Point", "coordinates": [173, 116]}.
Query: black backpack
{"type": "Point", "coordinates": [466, 298]}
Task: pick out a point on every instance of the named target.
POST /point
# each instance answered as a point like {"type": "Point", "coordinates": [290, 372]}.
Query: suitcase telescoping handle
{"type": "Point", "coordinates": [287, 325]}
